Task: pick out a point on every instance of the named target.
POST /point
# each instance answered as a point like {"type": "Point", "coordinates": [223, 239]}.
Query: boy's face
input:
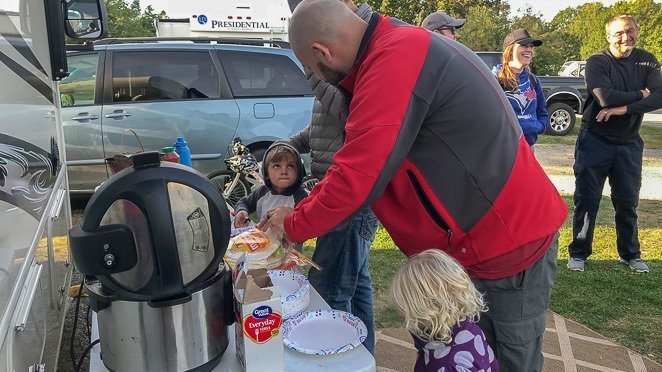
{"type": "Point", "coordinates": [283, 173]}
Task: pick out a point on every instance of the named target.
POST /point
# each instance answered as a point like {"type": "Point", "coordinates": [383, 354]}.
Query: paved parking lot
{"type": "Point", "coordinates": [568, 347]}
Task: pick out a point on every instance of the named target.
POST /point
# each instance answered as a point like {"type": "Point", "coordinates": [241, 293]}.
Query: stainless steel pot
{"type": "Point", "coordinates": [150, 245]}
{"type": "Point", "coordinates": [191, 336]}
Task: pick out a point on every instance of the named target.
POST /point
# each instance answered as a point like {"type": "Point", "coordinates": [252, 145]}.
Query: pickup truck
{"type": "Point", "coordinates": [565, 97]}
{"type": "Point", "coordinates": [573, 68]}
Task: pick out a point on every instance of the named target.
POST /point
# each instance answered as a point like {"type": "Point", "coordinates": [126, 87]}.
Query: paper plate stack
{"type": "Point", "coordinates": [294, 291]}
{"type": "Point", "coordinates": [342, 331]}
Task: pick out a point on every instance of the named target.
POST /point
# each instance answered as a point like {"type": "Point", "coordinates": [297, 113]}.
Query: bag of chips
{"type": "Point", "coordinates": [251, 241]}
{"type": "Point", "coordinates": [259, 244]}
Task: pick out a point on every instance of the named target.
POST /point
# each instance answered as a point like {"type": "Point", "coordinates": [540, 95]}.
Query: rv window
{"type": "Point", "coordinates": [77, 89]}
{"type": "Point", "coordinates": [263, 75]}
{"type": "Point", "coordinates": [156, 76]}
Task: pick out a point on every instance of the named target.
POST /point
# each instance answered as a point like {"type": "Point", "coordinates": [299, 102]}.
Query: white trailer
{"type": "Point", "coordinates": [35, 215]}
{"type": "Point", "coordinates": [256, 19]}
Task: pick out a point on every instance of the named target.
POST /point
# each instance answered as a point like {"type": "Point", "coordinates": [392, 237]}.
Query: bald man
{"type": "Point", "coordinates": [344, 281]}
{"type": "Point", "coordinates": [434, 148]}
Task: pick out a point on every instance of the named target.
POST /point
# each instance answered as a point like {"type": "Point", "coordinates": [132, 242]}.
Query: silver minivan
{"type": "Point", "coordinates": [128, 97]}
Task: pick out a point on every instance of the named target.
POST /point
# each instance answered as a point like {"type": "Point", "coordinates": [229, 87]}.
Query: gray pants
{"type": "Point", "coordinates": [515, 322]}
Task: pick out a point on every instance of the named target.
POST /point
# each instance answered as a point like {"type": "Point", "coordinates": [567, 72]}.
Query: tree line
{"type": "Point", "coordinates": [127, 19]}
{"type": "Point", "coordinates": [575, 33]}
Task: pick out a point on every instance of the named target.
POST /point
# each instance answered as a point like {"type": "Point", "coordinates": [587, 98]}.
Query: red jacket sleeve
{"type": "Point", "coordinates": [382, 93]}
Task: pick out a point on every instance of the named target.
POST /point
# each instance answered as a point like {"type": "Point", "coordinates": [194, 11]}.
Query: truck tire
{"type": "Point", "coordinates": [561, 119]}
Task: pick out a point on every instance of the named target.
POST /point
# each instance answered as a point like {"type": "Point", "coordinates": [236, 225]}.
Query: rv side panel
{"type": "Point", "coordinates": [34, 205]}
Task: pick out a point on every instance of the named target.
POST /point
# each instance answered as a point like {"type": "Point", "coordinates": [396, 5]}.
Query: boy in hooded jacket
{"type": "Point", "coordinates": [283, 173]}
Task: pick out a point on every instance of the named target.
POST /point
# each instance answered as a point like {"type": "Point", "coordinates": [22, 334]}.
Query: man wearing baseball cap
{"type": "Point", "coordinates": [521, 37]}
{"type": "Point", "coordinates": [442, 23]}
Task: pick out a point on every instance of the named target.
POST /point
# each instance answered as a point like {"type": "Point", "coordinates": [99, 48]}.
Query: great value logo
{"type": "Point", "coordinates": [262, 324]}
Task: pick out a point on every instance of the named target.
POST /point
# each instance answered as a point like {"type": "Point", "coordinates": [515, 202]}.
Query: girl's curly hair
{"type": "Point", "coordinates": [434, 293]}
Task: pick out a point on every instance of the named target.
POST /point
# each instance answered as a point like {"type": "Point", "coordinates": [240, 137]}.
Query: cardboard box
{"type": "Point", "coordinates": [258, 315]}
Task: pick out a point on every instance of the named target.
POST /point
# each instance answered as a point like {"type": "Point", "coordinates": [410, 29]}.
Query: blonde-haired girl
{"type": "Point", "coordinates": [440, 306]}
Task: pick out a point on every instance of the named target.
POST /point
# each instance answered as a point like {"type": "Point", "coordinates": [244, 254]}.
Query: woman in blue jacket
{"type": "Point", "coordinates": [523, 88]}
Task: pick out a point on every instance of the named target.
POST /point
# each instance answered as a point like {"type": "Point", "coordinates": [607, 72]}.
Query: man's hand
{"type": "Point", "coordinates": [275, 219]}
{"type": "Point", "coordinates": [606, 113]}
{"type": "Point", "coordinates": [241, 219]}
{"type": "Point", "coordinates": [646, 93]}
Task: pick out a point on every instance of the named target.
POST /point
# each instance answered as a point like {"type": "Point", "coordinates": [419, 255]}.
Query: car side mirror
{"type": "Point", "coordinates": [67, 100]}
{"type": "Point", "coordinates": [85, 19]}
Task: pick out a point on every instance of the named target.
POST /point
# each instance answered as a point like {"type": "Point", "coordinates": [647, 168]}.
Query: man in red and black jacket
{"type": "Point", "coordinates": [433, 146]}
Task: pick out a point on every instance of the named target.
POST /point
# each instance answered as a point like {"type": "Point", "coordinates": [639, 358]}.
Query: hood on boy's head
{"type": "Point", "coordinates": [301, 170]}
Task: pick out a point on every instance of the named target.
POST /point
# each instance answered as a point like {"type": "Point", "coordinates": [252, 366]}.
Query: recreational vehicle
{"type": "Point", "coordinates": [257, 19]}
{"type": "Point", "coordinates": [35, 214]}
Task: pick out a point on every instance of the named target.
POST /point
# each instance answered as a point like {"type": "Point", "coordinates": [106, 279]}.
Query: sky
{"type": "Point", "coordinates": [548, 8]}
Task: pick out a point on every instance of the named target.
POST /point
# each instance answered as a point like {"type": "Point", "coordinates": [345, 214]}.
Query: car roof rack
{"type": "Point", "coordinates": [258, 42]}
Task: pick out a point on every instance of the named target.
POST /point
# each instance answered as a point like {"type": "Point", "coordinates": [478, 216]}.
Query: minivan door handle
{"type": "Point", "coordinates": [117, 114]}
{"type": "Point", "coordinates": [84, 116]}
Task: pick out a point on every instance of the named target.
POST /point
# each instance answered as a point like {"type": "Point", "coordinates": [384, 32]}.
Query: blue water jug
{"type": "Point", "coordinates": [184, 152]}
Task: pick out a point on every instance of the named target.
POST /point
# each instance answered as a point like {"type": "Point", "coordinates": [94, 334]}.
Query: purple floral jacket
{"type": "Point", "coordinates": [468, 351]}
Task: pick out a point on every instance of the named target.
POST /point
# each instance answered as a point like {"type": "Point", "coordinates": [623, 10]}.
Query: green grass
{"type": "Point", "coordinates": [652, 137]}
{"type": "Point", "coordinates": [611, 299]}
{"type": "Point", "coordinates": [608, 297]}
{"type": "Point", "coordinates": [569, 139]}
{"type": "Point", "coordinates": [649, 211]}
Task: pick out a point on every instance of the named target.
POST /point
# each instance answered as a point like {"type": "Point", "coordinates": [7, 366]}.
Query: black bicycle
{"type": "Point", "coordinates": [242, 176]}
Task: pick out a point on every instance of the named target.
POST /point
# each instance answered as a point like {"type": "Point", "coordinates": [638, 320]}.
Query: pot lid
{"type": "Point", "coordinates": [153, 231]}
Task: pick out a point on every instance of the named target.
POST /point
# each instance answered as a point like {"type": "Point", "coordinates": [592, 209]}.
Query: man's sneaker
{"type": "Point", "coordinates": [636, 264]}
{"type": "Point", "coordinates": [576, 264]}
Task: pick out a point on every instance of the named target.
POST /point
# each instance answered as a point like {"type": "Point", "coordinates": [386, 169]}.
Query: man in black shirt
{"type": "Point", "coordinates": [623, 83]}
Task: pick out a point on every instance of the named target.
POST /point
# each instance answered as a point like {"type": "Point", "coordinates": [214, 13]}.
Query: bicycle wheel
{"type": "Point", "coordinates": [223, 179]}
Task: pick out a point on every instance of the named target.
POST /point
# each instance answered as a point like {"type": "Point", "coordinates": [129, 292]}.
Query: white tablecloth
{"type": "Point", "coordinates": [358, 359]}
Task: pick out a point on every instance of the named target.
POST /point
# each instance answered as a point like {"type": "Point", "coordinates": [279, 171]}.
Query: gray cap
{"type": "Point", "coordinates": [438, 20]}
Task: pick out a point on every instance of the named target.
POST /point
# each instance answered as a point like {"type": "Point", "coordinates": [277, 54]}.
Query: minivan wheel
{"type": "Point", "coordinates": [561, 119]}
{"type": "Point", "coordinates": [223, 179]}
{"type": "Point", "coordinates": [259, 153]}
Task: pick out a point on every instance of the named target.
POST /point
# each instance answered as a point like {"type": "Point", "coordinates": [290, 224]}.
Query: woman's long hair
{"type": "Point", "coordinates": [506, 76]}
